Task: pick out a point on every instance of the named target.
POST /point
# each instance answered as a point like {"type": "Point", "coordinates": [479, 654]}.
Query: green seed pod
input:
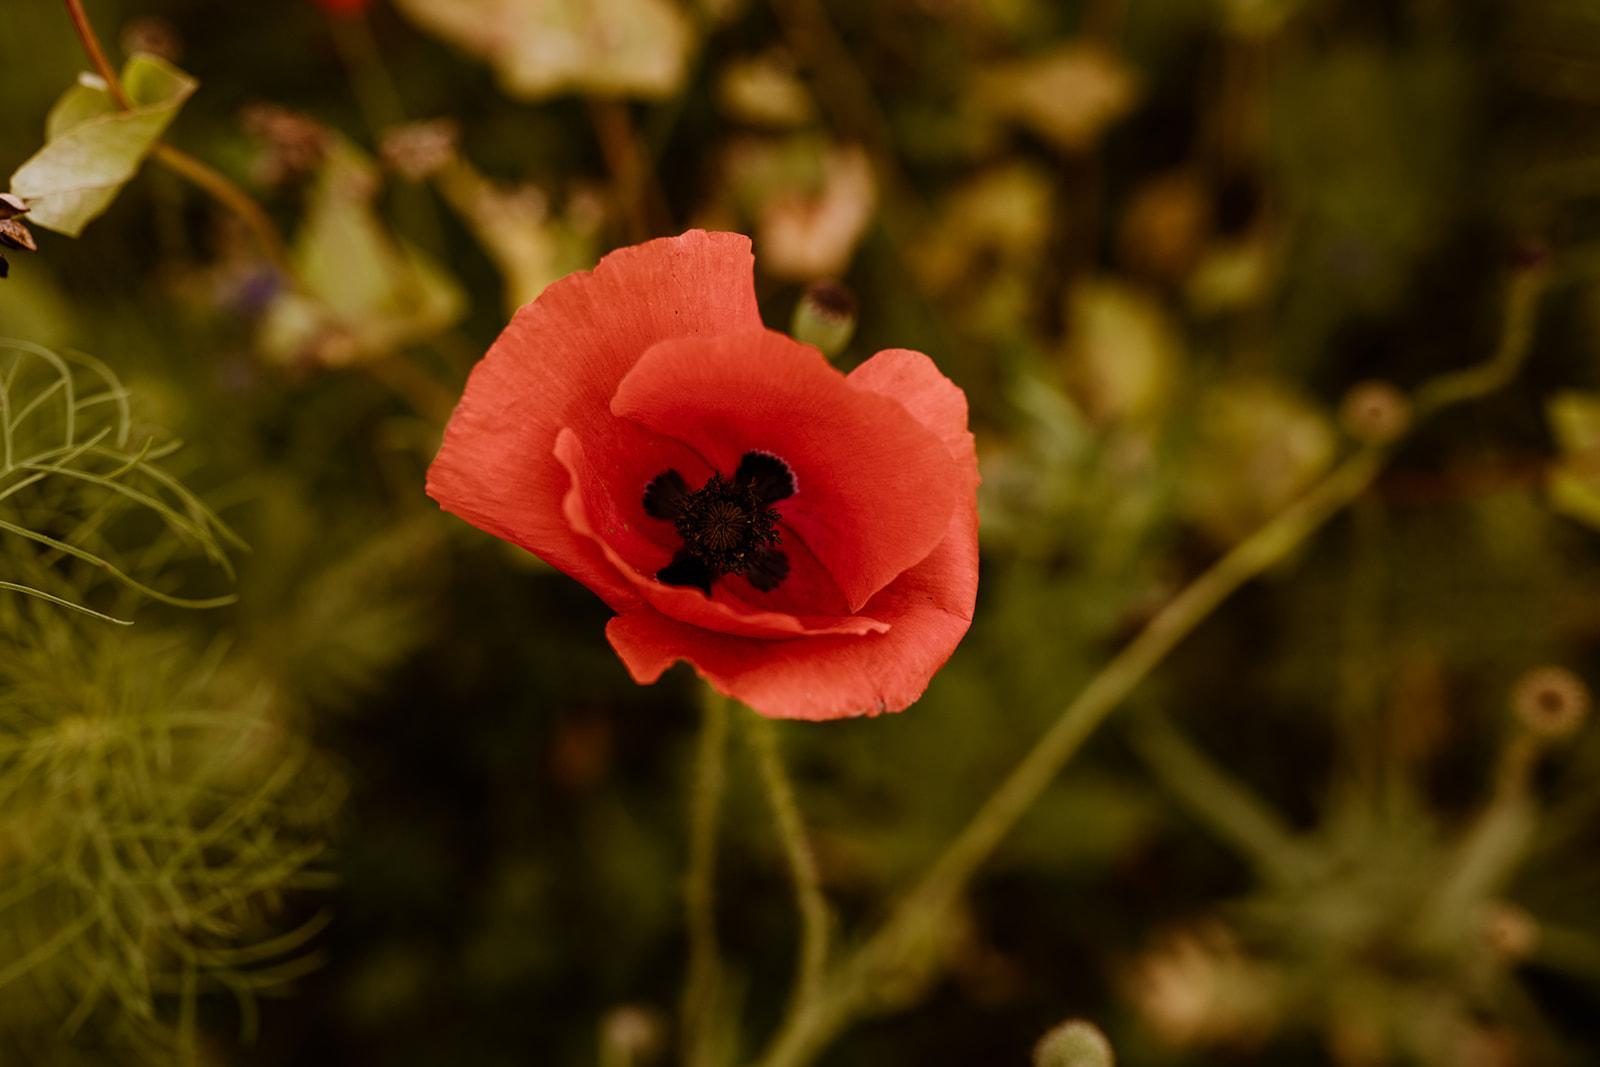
{"type": "Point", "coordinates": [825, 317]}
{"type": "Point", "coordinates": [1075, 1043]}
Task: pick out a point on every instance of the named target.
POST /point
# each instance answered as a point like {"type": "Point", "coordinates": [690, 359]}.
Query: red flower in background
{"type": "Point", "coordinates": [344, 8]}
{"type": "Point", "coordinates": [806, 539]}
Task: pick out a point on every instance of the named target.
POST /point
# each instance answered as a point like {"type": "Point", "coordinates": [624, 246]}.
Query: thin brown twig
{"type": "Point", "coordinates": [97, 55]}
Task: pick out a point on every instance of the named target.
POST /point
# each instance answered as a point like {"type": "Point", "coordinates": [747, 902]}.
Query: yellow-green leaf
{"type": "Point", "coordinates": [1574, 483]}
{"type": "Point", "coordinates": [529, 242]}
{"type": "Point", "coordinates": [539, 48]}
{"type": "Point", "coordinates": [92, 148]}
{"type": "Point", "coordinates": [365, 292]}
{"type": "Point", "coordinates": [1068, 96]}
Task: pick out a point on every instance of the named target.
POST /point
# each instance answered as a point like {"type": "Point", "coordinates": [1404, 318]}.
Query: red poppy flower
{"type": "Point", "coordinates": [806, 539]}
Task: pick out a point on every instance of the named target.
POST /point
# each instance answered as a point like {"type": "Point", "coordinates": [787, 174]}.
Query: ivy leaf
{"type": "Point", "coordinates": [92, 148]}
{"type": "Point", "coordinates": [543, 47]}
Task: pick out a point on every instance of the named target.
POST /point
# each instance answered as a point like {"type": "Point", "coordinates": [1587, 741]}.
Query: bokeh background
{"type": "Point", "coordinates": [397, 803]}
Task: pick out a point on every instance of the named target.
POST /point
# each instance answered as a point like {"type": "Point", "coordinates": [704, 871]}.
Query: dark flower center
{"type": "Point", "coordinates": [727, 525]}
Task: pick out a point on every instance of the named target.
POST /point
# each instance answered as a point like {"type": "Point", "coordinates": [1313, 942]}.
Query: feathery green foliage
{"type": "Point", "coordinates": [87, 516]}
{"type": "Point", "coordinates": [157, 814]}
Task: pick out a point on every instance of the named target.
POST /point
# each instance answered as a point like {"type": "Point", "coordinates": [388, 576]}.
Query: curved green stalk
{"type": "Point", "coordinates": [702, 986]}
{"type": "Point", "coordinates": [813, 907]}
{"type": "Point", "coordinates": [905, 952]}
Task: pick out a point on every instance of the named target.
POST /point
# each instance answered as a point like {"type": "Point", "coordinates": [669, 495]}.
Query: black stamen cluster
{"type": "Point", "coordinates": [727, 525]}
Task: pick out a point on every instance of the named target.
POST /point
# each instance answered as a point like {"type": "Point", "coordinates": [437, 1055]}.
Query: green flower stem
{"type": "Point", "coordinates": [205, 177]}
{"type": "Point", "coordinates": [1227, 806]}
{"type": "Point", "coordinates": [896, 962]}
{"type": "Point", "coordinates": [226, 192]}
{"type": "Point", "coordinates": [1490, 851]}
{"type": "Point", "coordinates": [377, 96]}
{"type": "Point", "coordinates": [702, 985]}
{"type": "Point", "coordinates": [815, 921]}
{"type": "Point", "coordinates": [1516, 333]}
{"type": "Point", "coordinates": [633, 178]}
{"type": "Point", "coordinates": [383, 109]}
{"type": "Point", "coordinates": [906, 949]}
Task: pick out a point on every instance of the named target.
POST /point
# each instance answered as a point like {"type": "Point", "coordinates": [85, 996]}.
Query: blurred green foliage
{"type": "Point", "coordinates": [389, 767]}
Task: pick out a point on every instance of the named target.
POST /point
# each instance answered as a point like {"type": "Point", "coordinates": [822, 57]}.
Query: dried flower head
{"type": "Point", "coordinates": [1196, 987]}
{"type": "Point", "coordinates": [154, 36]}
{"type": "Point", "coordinates": [295, 143]}
{"type": "Point", "coordinates": [418, 150]}
{"type": "Point", "coordinates": [1375, 412]}
{"type": "Point", "coordinates": [14, 234]}
{"type": "Point", "coordinates": [1550, 701]}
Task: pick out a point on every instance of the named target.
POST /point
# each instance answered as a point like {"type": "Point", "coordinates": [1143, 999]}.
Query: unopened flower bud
{"type": "Point", "coordinates": [825, 317]}
{"type": "Point", "coordinates": [1074, 1043]}
{"type": "Point", "coordinates": [632, 1033]}
{"type": "Point", "coordinates": [1550, 701]}
{"type": "Point", "coordinates": [1375, 412]}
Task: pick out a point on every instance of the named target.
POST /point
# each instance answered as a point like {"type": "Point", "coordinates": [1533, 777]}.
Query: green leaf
{"type": "Point", "coordinates": [1575, 420]}
{"type": "Point", "coordinates": [530, 243]}
{"type": "Point", "coordinates": [1258, 443]}
{"type": "Point", "coordinates": [1574, 483]}
{"type": "Point", "coordinates": [92, 148]}
{"type": "Point", "coordinates": [1123, 353]}
{"type": "Point", "coordinates": [1069, 96]}
{"type": "Point", "coordinates": [365, 292]}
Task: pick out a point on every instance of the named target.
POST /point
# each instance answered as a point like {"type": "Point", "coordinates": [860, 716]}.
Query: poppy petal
{"type": "Point", "coordinates": [915, 382]}
{"type": "Point", "coordinates": [930, 606]}
{"type": "Point", "coordinates": [597, 516]}
{"type": "Point", "coordinates": [874, 489]}
{"type": "Point", "coordinates": [803, 678]}
{"type": "Point", "coordinates": [557, 364]}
